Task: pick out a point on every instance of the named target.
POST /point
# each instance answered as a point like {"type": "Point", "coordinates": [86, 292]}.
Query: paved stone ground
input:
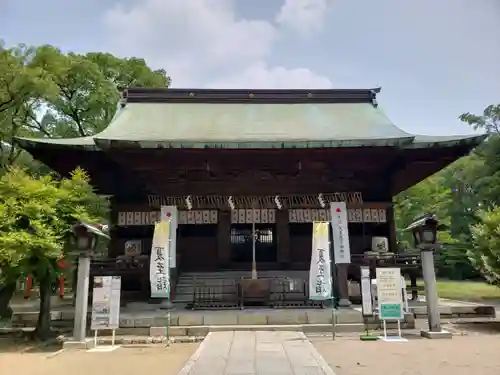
{"type": "Point", "coordinates": [462, 355]}
{"type": "Point", "coordinates": [256, 353]}
{"type": "Point", "coordinates": [157, 360]}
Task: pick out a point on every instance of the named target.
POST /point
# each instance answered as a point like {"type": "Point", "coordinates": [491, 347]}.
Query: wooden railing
{"type": "Point", "coordinates": [279, 292]}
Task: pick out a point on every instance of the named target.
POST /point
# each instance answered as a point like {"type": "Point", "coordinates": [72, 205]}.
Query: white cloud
{"type": "Point", "coordinates": [261, 76]}
{"type": "Point", "coordinates": [200, 41]}
{"type": "Point", "coordinates": [303, 16]}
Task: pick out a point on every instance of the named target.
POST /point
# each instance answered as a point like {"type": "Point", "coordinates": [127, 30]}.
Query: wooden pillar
{"type": "Point", "coordinates": [393, 241]}
{"type": "Point", "coordinates": [283, 234]}
{"type": "Point", "coordinates": [343, 285]}
{"type": "Point", "coordinates": [224, 239]}
{"type": "Point", "coordinates": [115, 246]}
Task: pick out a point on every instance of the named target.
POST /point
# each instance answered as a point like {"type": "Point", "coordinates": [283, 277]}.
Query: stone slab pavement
{"type": "Point", "coordinates": [256, 353]}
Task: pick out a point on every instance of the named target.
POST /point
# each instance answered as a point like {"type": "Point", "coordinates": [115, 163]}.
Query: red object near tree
{"type": "Point", "coordinates": [61, 265]}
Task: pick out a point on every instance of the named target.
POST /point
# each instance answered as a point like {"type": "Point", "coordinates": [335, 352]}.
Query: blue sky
{"type": "Point", "coordinates": [433, 59]}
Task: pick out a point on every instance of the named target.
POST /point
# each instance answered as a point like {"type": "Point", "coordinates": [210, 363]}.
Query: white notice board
{"type": "Point", "coordinates": [106, 302]}
{"type": "Point", "coordinates": [390, 297]}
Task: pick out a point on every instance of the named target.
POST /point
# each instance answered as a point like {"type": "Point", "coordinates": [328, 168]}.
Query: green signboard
{"type": "Point", "coordinates": [391, 311]}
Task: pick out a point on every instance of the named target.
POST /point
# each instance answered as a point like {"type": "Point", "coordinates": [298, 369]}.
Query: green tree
{"type": "Point", "coordinates": [36, 216]}
{"type": "Point", "coordinates": [483, 176]}
{"type": "Point", "coordinates": [445, 195]}
{"type": "Point", "coordinates": [486, 237]}
{"type": "Point", "coordinates": [21, 86]}
{"type": "Point", "coordinates": [47, 93]}
{"type": "Point", "coordinates": [89, 89]}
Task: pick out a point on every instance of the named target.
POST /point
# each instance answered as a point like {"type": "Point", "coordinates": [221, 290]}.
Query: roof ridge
{"type": "Point", "coordinates": [289, 96]}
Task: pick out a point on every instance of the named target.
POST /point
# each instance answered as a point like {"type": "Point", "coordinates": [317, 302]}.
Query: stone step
{"type": "Point", "coordinates": [197, 331]}
{"type": "Point", "coordinates": [157, 335]}
{"type": "Point", "coordinates": [238, 274]}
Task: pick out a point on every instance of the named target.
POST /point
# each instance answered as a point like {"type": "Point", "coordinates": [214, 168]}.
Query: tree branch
{"type": "Point", "coordinates": [38, 126]}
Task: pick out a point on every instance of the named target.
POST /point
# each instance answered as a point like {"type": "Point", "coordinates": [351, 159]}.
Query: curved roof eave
{"type": "Point", "coordinates": [413, 142]}
{"type": "Point", "coordinates": [81, 142]}
{"type": "Point", "coordinates": [428, 141]}
{"type": "Point", "coordinates": [254, 144]}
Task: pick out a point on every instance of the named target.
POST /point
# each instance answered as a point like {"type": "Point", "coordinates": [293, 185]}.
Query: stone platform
{"type": "Point", "coordinates": [146, 319]}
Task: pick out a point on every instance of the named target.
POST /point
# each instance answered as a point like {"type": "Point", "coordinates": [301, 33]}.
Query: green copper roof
{"type": "Point", "coordinates": [179, 122]}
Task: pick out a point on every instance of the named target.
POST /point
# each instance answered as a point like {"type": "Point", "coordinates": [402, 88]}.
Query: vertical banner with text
{"type": "Point", "coordinates": [320, 276]}
{"type": "Point", "coordinates": [159, 269]}
{"type": "Point", "coordinates": [170, 213]}
{"type": "Point", "coordinates": [340, 233]}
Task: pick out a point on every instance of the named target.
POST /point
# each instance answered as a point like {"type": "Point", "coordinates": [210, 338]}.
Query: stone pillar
{"type": "Point", "coordinates": [283, 234]}
{"type": "Point", "coordinates": [343, 285]}
{"type": "Point", "coordinates": [224, 238]}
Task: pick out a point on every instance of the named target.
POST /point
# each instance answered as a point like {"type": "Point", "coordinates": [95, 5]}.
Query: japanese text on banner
{"type": "Point", "coordinates": [320, 287]}
{"type": "Point", "coordinates": [159, 263]}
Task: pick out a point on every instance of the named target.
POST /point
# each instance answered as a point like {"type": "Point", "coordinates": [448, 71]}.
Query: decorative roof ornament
{"type": "Point", "coordinates": [278, 202]}
{"type": "Point", "coordinates": [230, 202]}
{"type": "Point", "coordinates": [321, 200]}
{"type": "Point", "coordinates": [189, 203]}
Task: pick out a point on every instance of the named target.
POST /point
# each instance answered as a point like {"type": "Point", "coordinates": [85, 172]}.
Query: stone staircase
{"type": "Point", "coordinates": [187, 281]}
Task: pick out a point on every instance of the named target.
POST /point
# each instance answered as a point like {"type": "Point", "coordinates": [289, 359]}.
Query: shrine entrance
{"type": "Point", "coordinates": [266, 249]}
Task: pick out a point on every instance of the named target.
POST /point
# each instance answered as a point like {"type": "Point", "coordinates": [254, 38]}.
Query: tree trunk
{"type": "Point", "coordinates": [42, 330]}
{"type": "Point", "coordinates": [6, 293]}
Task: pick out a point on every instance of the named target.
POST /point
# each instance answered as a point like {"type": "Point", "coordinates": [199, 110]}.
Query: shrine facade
{"type": "Point", "coordinates": [230, 158]}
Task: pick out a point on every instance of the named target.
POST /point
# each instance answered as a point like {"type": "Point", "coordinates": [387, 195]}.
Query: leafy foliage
{"type": "Point", "coordinates": [486, 238]}
{"type": "Point", "coordinates": [466, 197]}
{"type": "Point", "coordinates": [36, 215]}
{"type": "Point", "coordinates": [47, 93]}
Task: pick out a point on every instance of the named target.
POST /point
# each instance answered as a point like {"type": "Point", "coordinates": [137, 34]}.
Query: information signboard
{"type": "Point", "coordinates": [390, 298]}
{"type": "Point", "coordinates": [106, 302]}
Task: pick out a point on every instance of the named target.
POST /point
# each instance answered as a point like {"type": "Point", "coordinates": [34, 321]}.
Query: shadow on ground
{"type": "Point", "coordinates": [491, 327]}
{"type": "Point", "coordinates": [20, 343]}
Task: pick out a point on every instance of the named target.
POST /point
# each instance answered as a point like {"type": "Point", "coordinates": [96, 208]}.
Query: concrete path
{"type": "Point", "coordinates": [256, 353]}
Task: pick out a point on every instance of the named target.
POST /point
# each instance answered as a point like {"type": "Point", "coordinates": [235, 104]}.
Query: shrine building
{"type": "Point", "coordinates": [276, 157]}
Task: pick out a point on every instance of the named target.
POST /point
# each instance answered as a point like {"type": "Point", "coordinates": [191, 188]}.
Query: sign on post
{"type": "Point", "coordinates": [340, 233]}
{"type": "Point", "coordinates": [105, 305]}
{"type": "Point", "coordinates": [390, 298]}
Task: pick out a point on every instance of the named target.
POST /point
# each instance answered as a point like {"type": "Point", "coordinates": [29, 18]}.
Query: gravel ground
{"type": "Point", "coordinates": [155, 359]}
{"type": "Point", "coordinates": [462, 355]}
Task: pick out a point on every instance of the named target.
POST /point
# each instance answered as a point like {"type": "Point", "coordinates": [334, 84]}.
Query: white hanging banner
{"type": "Point", "coordinates": [170, 213]}
{"type": "Point", "coordinates": [159, 270]}
{"type": "Point", "coordinates": [340, 233]}
{"type": "Point", "coordinates": [320, 276]}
